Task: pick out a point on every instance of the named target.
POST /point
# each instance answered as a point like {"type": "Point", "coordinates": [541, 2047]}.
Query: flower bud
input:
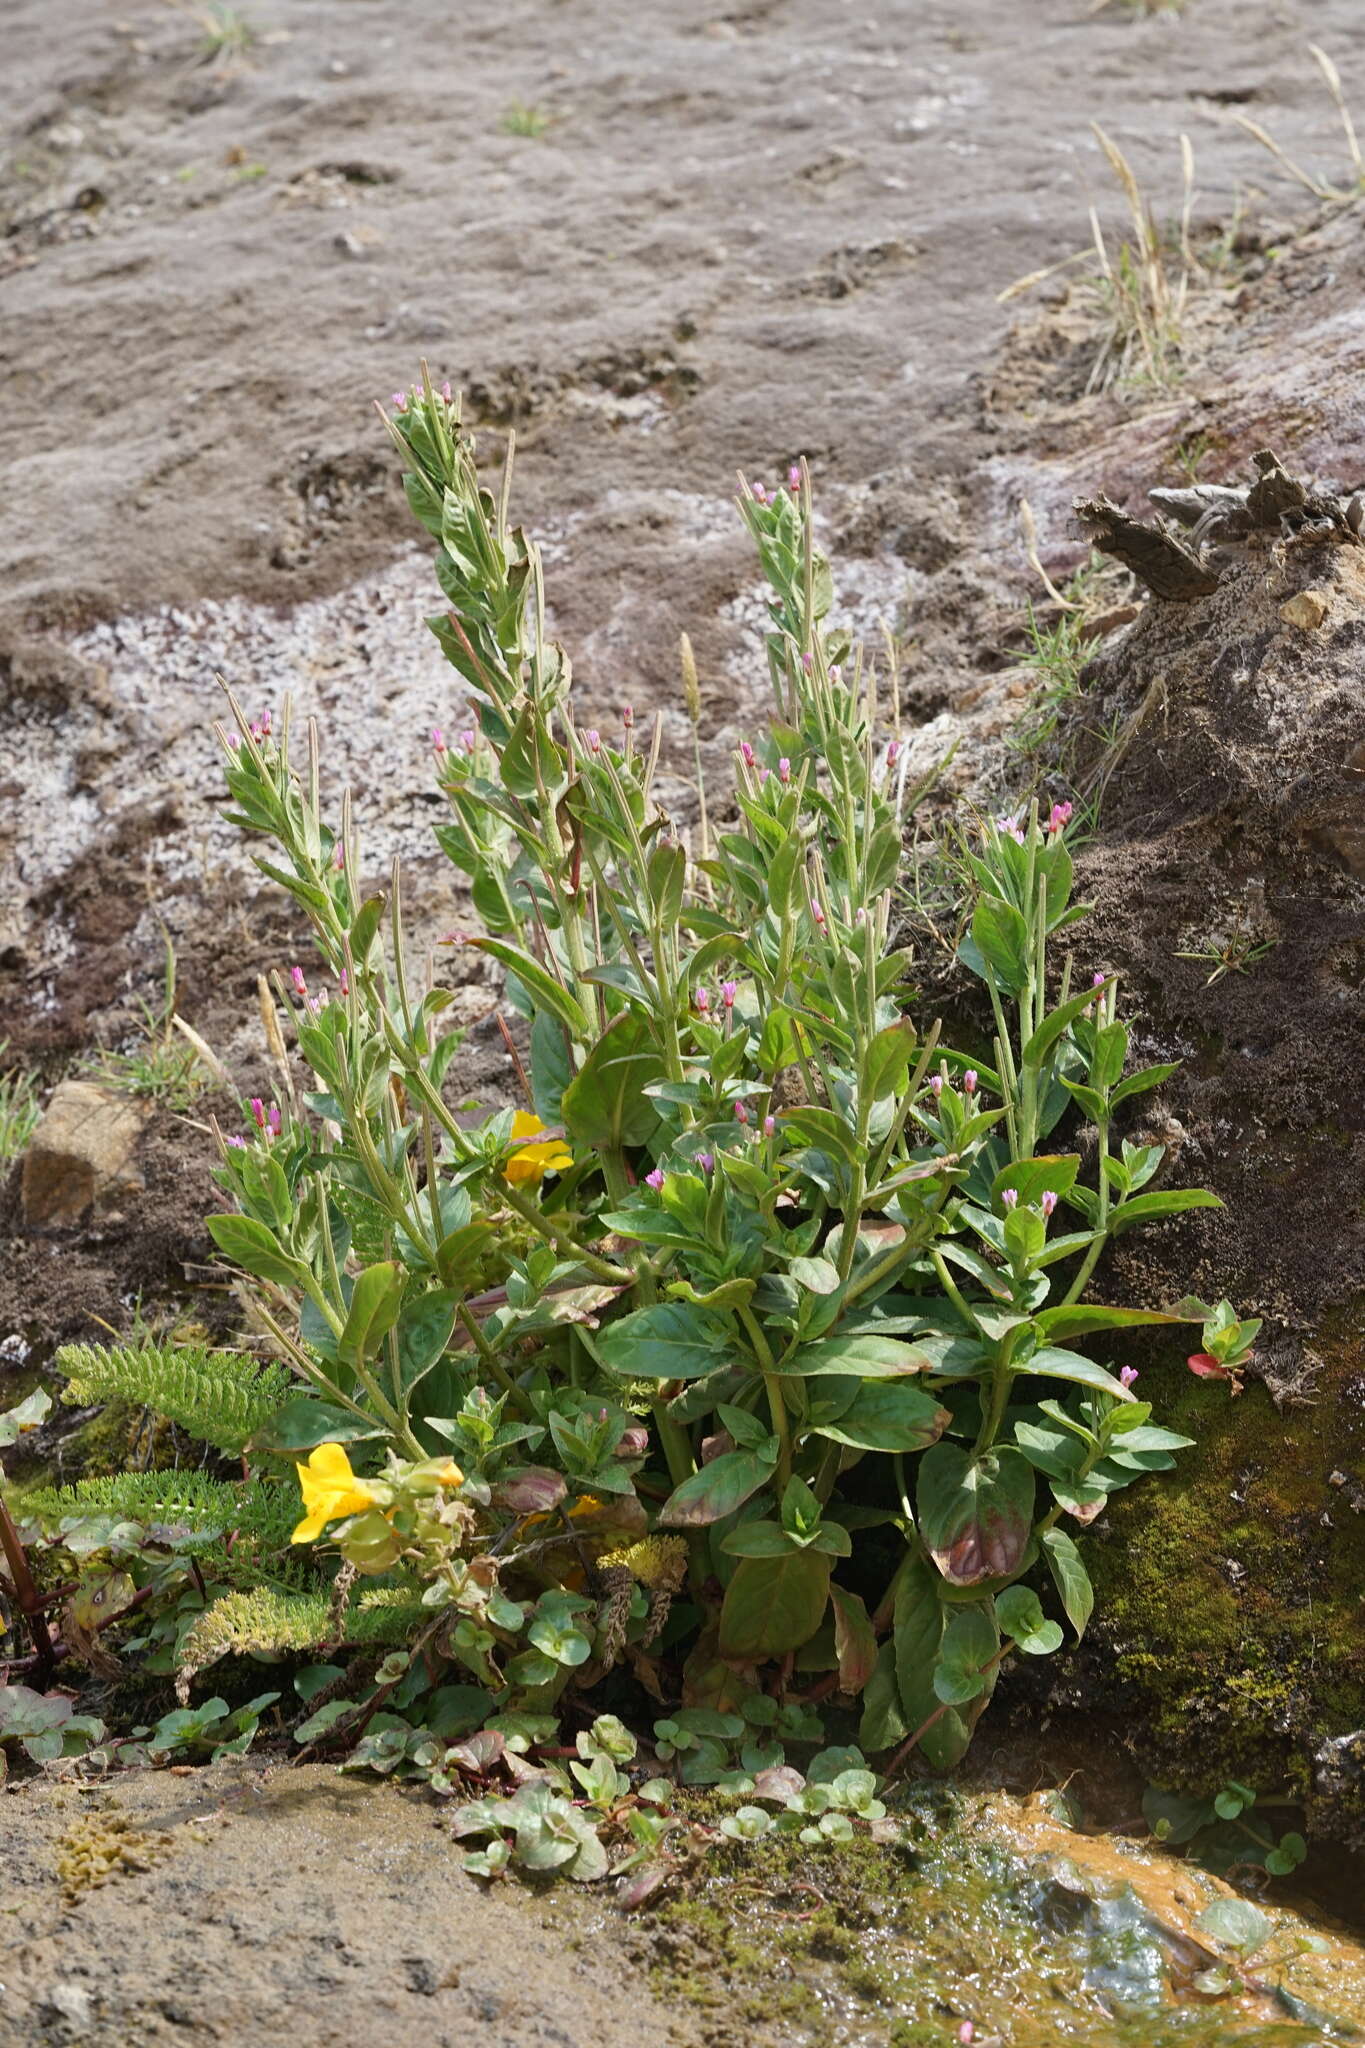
{"type": "Point", "coordinates": [760, 493]}
{"type": "Point", "coordinates": [969, 1081]}
{"type": "Point", "coordinates": [400, 401]}
{"type": "Point", "coordinates": [702, 1001]}
{"type": "Point", "coordinates": [628, 717]}
{"type": "Point", "coordinates": [469, 739]}
{"type": "Point", "coordinates": [794, 477]}
{"type": "Point", "coordinates": [445, 393]}
{"type": "Point", "coordinates": [438, 740]}
{"type": "Point", "coordinates": [300, 985]}
{"type": "Point", "coordinates": [784, 770]}
{"type": "Point", "coordinates": [258, 1112]}
{"type": "Point", "coordinates": [746, 753]}
{"type": "Point", "coordinates": [1128, 1375]}
{"type": "Point", "coordinates": [1049, 1201]}
{"type": "Point", "coordinates": [741, 1113]}
{"type": "Point", "coordinates": [655, 1179]}
{"type": "Point", "coordinates": [936, 1086]}
{"type": "Point", "coordinates": [706, 1160]}
{"type": "Point", "coordinates": [594, 739]}
{"type": "Point", "coordinates": [728, 991]}
{"type": "Point", "coordinates": [769, 1126]}
{"type": "Point", "coordinates": [808, 661]}
{"type": "Point", "coordinates": [893, 748]}
{"type": "Point", "coordinates": [1009, 1198]}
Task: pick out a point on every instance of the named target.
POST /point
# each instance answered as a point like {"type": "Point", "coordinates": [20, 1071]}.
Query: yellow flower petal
{"type": "Point", "coordinates": [330, 1490]}
{"type": "Point", "coordinates": [530, 1163]}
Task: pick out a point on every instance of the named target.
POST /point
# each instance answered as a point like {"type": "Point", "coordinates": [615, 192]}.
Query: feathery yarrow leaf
{"type": "Point", "coordinates": [221, 1397]}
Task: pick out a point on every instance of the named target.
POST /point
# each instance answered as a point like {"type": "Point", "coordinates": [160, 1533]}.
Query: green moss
{"type": "Point", "coordinates": [1231, 1592]}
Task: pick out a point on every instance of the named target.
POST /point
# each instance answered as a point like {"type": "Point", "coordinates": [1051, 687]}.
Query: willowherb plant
{"type": "Point", "coordinates": [750, 1340]}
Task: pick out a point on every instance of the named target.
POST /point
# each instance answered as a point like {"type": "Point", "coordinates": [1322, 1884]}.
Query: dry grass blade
{"type": "Point", "coordinates": [1333, 77]}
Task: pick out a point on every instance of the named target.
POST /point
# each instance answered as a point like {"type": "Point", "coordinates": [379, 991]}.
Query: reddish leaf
{"type": "Point", "coordinates": [1206, 1367]}
{"type": "Point", "coordinates": [534, 1490]}
{"type": "Point", "coordinates": [855, 1644]}
{"type": "Point", "coordinates": [975, 1513]}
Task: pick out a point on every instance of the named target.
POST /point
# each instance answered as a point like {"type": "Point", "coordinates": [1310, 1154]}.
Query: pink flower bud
{"type": "Point", "coordinates": [728, 991]}
{"type": "Point", "coordinates": [966, 2034]}
{"type": "Point", "coordinates": [702, 1001]}
{"type": "Point", "coordinates": [893, 748]}
{"type": "Point", "coordinates": [706, 1160]}
{"type": "Point", "coordinates": [1049, 1201]}
{"type": "Point", "coordinates": [836, 673]}
{"type": "Point", "coordinates": [969, 1081]}
{"type": "Point", "coordinates": [784, 770]}
{"type": "Point", "coordinates": [300, 985]}
{"type": "Point", "coordinates": [741, 1113]}
{"type": "Point", "coordinates": [445, 393]}
{"type": "Point", "coordinates": [655, 1179]}
{"type": "Point", "coordinates": [274, 1121]}
{"type": "Point", "coordinates": [628, 717]}
{"type": "Point", "coordinates": [258, 1112]}
{"type": "Point", "coordinates": [794, 477]}
{"type": "Point", "coordinates": [469, 739]}
{"type": "Point", "coordinates": [1097, 980]}
{"type": "Point", "coordinates": [769, 1126]}
{"type": "Point", "coordinates": [339, 855]}
{"type": "Point", "coordinates": [1128, 1375]}
{"type": "Point", "coordinates": [345, 982]}
{"type": "Point", "coordinates": [1009, 1198]}
{"type": "Point", "coordinates": [1059, 817]}
{"type": "Point", "coordinates": [594, 739]}
{"type": "Point", "coordinates": [817, 913]}
{"type": "Point", "coordinates": [936, 1086]}
{"type": "Point", "coordinates": [761, 494]}
{"type": "Point", "coordinates": [400, 401]}
{"type": "Point", "coordinates": [746, 753]}
{"type": "Point", "coordinates": [763, 775]}
{"type": "Point", "coordinates": [234, 740]}
{"type": "Point", "coordinates": [316, 1004]}
{"type": "Point", "coordinates": [808, 661]}
{"type": "Point", "coordinates": [237, 1144]}
{"type": "Point", "coordinates": [438, 740]}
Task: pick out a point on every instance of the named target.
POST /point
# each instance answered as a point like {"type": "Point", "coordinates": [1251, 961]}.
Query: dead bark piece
{"type": "Point", "coordinates": [1156, 554]}
{"type": "Point", "coordinates": [1275, 494]}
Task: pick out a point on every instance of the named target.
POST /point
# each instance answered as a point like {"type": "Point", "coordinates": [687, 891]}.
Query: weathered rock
{"type": "Point", "coordinates": [82, 1155]}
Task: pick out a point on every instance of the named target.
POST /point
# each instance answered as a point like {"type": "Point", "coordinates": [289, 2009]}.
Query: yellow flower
{"type": "Point", "coordinates": [330, 1489]}
{"type": "Point", "coordinates": [529, 1164]}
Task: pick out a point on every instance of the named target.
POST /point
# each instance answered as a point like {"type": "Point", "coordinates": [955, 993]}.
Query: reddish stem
{"type": "Point", "coordinates": [26, 1592]}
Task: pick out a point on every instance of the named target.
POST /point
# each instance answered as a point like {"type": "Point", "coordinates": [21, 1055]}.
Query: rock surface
{"type": "Point", "coordinates": [83, 1155]}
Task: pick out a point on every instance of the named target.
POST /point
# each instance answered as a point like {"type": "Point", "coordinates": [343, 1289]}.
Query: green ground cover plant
{"type": "Point", "coordinates": [747, 1364]}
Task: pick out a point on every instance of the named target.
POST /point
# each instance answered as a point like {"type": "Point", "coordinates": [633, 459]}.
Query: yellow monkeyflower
{"type": "Point", "coordinates": [330, 1489]}
{"type": "Point", "coordinates": [529, 1164]}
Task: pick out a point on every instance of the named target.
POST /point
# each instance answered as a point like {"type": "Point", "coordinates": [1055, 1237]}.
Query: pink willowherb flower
{"type": "Point", "coordinates": [655, 1179]}
{"type": "Point", "coordinates": [400, 401]}
{"type": "Point", "coordinates": [1059, 817]}
{"type": "Point", "coordinates": [1128, 1374]}
{"type": "Point", "coordinates": [728, 991]}
{"type": "Point", "coordinates": [345, 982]}
{"type": "Point", "coordinates": [258, 1112]}
{"type": "Point", "coordinates": [300, 985]}
{"type": "Point", "coordinates": [274, 1122]}
{"type": "Point", "coordinates": [769, 1126]}
{"type": "Point", "coordinates": [746, 753]}
{"type": "Point", "coordinates": [760, 492]}
{"type": "Point", "coordinates": [1049, 1202]}
{"type": "Point", "coordinates": [741, 1113]}
{"type": "Point", "coordinates": [808, 661]}
{"type": "Point", "coordinates": [1009, 1198]}
{"type": "Point", "coordinates": [628, 716]}
{"type": "Point", "coordinates": [702, 1001]}
{"type": "Point", "coordinates": [438, 740]}
{"type": "Point", "coordinates": [936, 1086]}
{"type": "Point", "coordinates": [969, 1081]}
{"type": "Point", "coordinates": [784, 770]}
{"type": "Point", "coordinates": [445, 393]}
{"type": "Point", "coordinates": [594, 739]}
{"type": "Point", "coordinates": [893, 748]}
{"type": "Point", "coordinates": [469, 739]}
{"type": "Point", "coordinates": [794, 477]}
{"type": "Point", "coordinates": [706, 1160]}
{"type": "Point", "coordinates": [238, 1144]}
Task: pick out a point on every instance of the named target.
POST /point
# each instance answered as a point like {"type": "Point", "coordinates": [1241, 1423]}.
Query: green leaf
{"type": "Point", "coordinates": [1237, 1924]}
{"type": "Point", "coordinates": [1053, 1364]}
{"type": "Point", "coordinates": [1070, 1578]}
{"type": "Point", "coordinates": [552, 1068]}
{"type": "Point", "coordinates": [1052, 1027]}
{"type": "Point", "coordinates": [375, 1302]}
{"type": "Point", "coordinates": [365, 929]}
{"type": "Point", "coordinates": [886, 1062]}
{"type": "Point", "coordinates": [1167, 1202]}
{"type": "Point", "coordinates": [883, 1723]}
{"type": "Point", "coordinates": [424, 1329]}
{"type": "Point", "coordinates": [1110, 1050]}
{"type": "Point", "coordinates": [1090, 1100]}
{"type": "Point", "coordinates": [774, 1604]}
{"type": "Point", "coordinates": [969, 1644]}
{"type": "Point", "coordinates": [1079, 1320]}
{"type": "Point", "coordinates": [817, 1276]}
{"type": "Point", "coordinates": [303, 1423]}
{"type": "Point", "coordinates": [605, 1104]}
{"type": "Point", "coordinates": [1019, 1612]}
{"type": "Point", "coordinates": [716, 1490]}
{"type": "Point", "coordinates": [919, 1624]}
{"type": "Point", "coordinates": [855, 1642]}
{"type": "Point", "coordinates": [1000, 937]}
{"type": "Point", "coordinates": [670, 1340]}
{"type": "Point", "coordinates": [825, 1128]}
{"type": "Point", "coordinates": [1031, 1179]}
{"type": "Point", "coordinates": [256, 1249]}
{"type": "Point", "coordinates": [541, 986]}
{"type": "Point", "coordinates": [1145, 1078]}
{"type": "Point", "coordinates": [885, 1416]}
{"type": "Point", "coordinates": [869, 1356]}
{"type": "Point", "coordinates": [975, 1513]}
